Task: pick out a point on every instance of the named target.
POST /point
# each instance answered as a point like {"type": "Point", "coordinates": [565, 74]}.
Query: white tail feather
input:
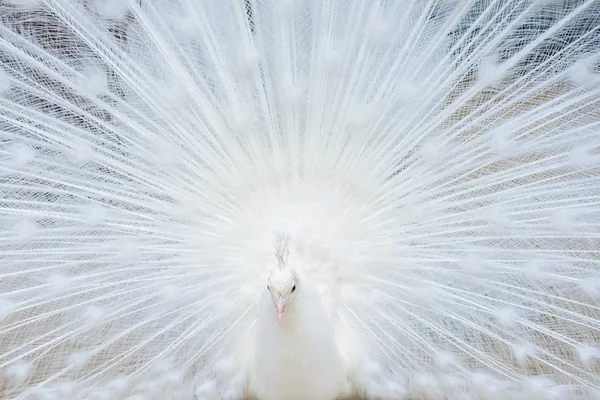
{"type": "Point", "coordinates": [436, 162]}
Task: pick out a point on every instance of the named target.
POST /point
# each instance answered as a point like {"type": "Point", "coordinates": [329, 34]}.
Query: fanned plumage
{"type": "Point", "coordinates": [436, 164]}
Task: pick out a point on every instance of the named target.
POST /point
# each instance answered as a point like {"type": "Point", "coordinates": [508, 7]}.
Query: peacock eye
{"type": "Point", "coordinates": [294, 289]}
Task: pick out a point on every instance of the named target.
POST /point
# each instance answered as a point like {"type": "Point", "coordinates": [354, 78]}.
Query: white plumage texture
{"type": "Point", "coordinates": [435, 163]}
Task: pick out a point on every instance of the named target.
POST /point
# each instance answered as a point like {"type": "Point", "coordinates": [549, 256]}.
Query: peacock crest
{"type": "Point", "coordinates": [281, 246]}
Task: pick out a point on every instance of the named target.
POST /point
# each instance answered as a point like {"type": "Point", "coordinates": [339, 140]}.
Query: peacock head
{"type": "Point", "coordinates": [282, 287]}
{"type": "Point", "coordinates": [282, 280]}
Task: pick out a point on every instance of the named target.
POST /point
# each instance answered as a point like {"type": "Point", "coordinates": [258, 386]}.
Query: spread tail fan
{"type": "Point", "coordinates": [433, 166]}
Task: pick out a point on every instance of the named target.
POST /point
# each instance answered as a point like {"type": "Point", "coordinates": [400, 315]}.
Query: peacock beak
{"type": "Point", "coordinates": [280, 307]}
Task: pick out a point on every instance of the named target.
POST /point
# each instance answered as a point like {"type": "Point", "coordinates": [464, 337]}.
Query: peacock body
{"type": "Point", "coordinates": [299, 199]}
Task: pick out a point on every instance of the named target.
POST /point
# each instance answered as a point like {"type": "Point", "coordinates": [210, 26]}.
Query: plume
{"type": "Point", "coordinates": [436, 164]}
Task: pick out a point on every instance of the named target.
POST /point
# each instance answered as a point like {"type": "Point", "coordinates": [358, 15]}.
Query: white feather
{"type": "Point", "coordinates": [298, 360]}
{"type": "Point", "coordinates": [435, 162]}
